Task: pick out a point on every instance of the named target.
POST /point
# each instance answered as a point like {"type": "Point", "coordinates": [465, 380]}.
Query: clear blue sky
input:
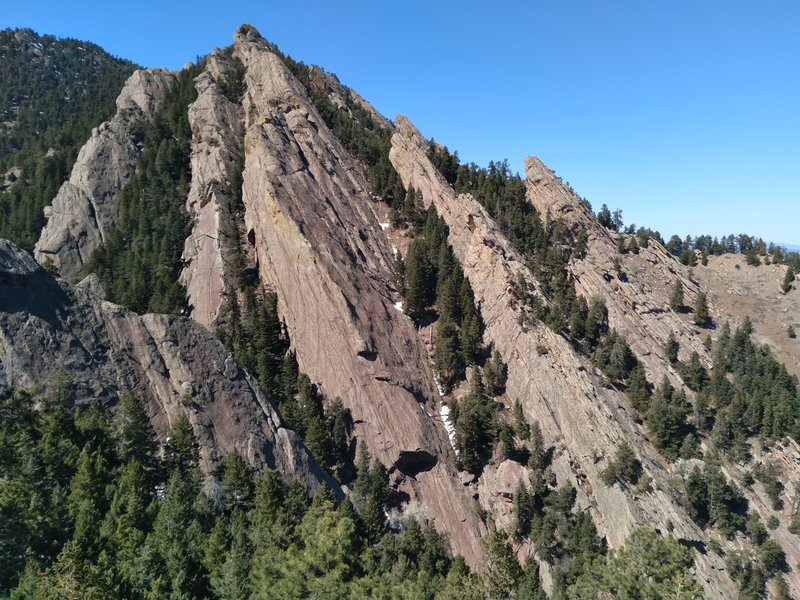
{"type": "Point", "coordinates": [685, 114]}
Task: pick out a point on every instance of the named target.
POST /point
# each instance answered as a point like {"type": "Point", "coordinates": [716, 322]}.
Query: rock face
{"type": "Point", "coordinates": [217, 133]}
{"type": "Point", "coordinates": [734, 290]}
{"type": "Point", "coordinates": [171, 363]}
{"type": "Point", "coordinates": [329, 85]}
{"type": "Point", "coordinates": [631, 293]}
{"type": "Point", "coordinates": [318, 243]}
{"type": "Point", "coordinates": [86, 208]}
{"type": "Point", "coordinates": [554, 384]}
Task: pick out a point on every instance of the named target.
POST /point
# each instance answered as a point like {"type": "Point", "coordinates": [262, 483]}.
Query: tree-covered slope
{"type": "Point", "coordinates": [52, 92]}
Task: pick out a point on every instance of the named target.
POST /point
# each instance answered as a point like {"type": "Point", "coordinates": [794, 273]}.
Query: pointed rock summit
{"type": "Point", "coordinates": [86, 208]}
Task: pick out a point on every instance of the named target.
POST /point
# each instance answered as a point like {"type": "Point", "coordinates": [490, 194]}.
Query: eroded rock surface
{"type": "Point", "coordinates": [172, 364]}
{"type": "Point", "coordinates": [637, 296]}
{"type": "Point", "coordinates": [86, 207]}
{"type": "Point", "coordinates": [319, 245]}
{"type": "Point", "coordinates": [555, 385]}
{"type": "Point", "coordinates": [217, 133]}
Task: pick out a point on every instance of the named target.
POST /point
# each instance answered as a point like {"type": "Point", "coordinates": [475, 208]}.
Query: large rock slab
{"type": "Point", "coordinates": [637, 296]}
{"type": "Point", "coordinates": [217, 134]}
{"type": "Point", "coordinates": [317, 241]}
{"type": "Point", "coordinates": [86, 207]}
{"type": "Point", "coordinates": [555, 385]}
{"type": "Point", "coordinates": [171, 363]}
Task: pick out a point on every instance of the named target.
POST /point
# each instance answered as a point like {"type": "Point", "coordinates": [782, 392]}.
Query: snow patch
{"type": "Point", "coordinates": [448, 426]}
{"type": "Point", "coordinates": [384, 226]}
{"type": "Point", "coordinates": [439, 386]}
{"type": "Point", "coordinates": [395, 251]}
{"type": "Point", "coordinates": [399, 305]}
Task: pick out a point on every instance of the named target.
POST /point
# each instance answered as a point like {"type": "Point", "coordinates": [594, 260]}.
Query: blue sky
{"type": "Point", "coordinates": [684, 114]}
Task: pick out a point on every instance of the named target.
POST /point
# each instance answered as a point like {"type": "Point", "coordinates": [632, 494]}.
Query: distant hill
{"type": "Point", "coordinates": [52, 92]}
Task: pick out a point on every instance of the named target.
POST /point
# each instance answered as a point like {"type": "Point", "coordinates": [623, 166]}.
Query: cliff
{"type": "Point", "coordinates": [86, 208]}
{"type": "Point", "coordinates": [217, 133]}
{"type": "Point", "coordinates": [172, 364]}
{"type": "Point", "coordinates": [318, 244]}
{"type": "Point", "coordinates": [555, 385]}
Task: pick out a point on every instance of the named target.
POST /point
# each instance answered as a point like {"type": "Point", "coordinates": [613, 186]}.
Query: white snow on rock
{"type": "Point", "coordinates": [448, 426]}
{"type": "Point", "coordinates": [399, 305]}
{"type": "Point", "coordinates": [384, 226]}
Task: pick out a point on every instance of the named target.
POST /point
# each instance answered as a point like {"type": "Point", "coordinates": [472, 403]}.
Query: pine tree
{"type": "Point", "coordinates": [136, 439]}
{"type": "Point", "coordinates": [521, 426]}
{"type": "Point", "coordinates": [786, 286]}
{"type": "Point", "coordinates": [537, 457]}
{"type": "Point", "coordinates": [237, 482]}
{"type": "Point", "coordinates": [701, 316]}
{"type": "Point", "coordinates": [183, 452]}
{"type": "Point", "coordinates": [638, 390]}
{"type": "Point", "coordinates": [447, 358]}
{"type": "Point", "coordinates": [501, 571]}
{"type": "Point", "coordinates": [176, 544]}
{"type": "Point", "coordinates": [671, 348]}
{"type": "Point", "coordinates": [676, 298]}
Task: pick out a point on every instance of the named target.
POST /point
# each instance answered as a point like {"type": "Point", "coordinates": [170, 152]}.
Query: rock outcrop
{"type": "Point", "coordinates": [555, 385]}
{"type": "Point", "coordinates": [172, 364]}
{"type": "Point", "coordinates": [631, 293]}
{"type": "Point", "coordinates": [217, 133]}
{"type": "Point", "coordinates": [86, 208]}
{"type": "Point", "coordinates": [318, 243]}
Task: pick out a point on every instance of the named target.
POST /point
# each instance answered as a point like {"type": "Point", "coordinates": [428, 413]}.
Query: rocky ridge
{"type": "Point", "coordinates": [86, 208]}
{"type": "Point", "coordinates": [319, 245]}
{"type": "Point", "coordinates": [636, 298]}
{"type": "Point", "coordinates": [554, 384]}
{"type": "Point", "coordinates": [217, 133]}
{"type": "Point", "coordinates": [172, 364]}
{"type": "Point", "coordinates": [631, 294]}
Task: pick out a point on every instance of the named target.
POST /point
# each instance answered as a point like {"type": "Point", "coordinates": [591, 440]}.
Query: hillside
{"type": "Point", "coordinates": [52, 93]}
{"type": "Point", "coordinates": [504, 394]}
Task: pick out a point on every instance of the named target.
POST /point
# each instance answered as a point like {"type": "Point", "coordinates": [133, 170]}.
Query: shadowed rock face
{"type": "Point", "coordinates": [558, 387]}
{"type": "Point", "coordinates": [174, 365]}
{"type": "Point", "coordinates": [217, 132]}
{"type": "Point", "coordinates": [318, 243]}
{"type": "Point", "coordinates": [86, 208]}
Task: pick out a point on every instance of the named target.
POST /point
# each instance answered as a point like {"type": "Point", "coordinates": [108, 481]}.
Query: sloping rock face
{"type": "Point", "coordinates": [171, 363]}
{"type": "Point", "coordinates": [637, 296]}
{"type": "Point", "coordinates": [638, 307]}
{"type": "Point", "coordinates": [554, 384]}
{"type": "Point", "coordinates": [217, 133]}
{"type": "Point", "coordinates": [86, 208]}
{"type": "Point", "coordinates": [329, 85]}
{"type": "Point", "coordinates": [319, 245]}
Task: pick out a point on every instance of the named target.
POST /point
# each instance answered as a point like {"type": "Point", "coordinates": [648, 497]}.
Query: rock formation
{"type": "Point", "coordinates": [319, 245]}
{"type": "Point", "coordinates": [555, 385]}
{"type": "Point", "coordinates": [217, 133]}
{"type": "Point", "coordinates": [631, 294]}
{"type": "Point", "coordinates": [171, 363]}
{"type": "Point", "coordinates": [86, 208]}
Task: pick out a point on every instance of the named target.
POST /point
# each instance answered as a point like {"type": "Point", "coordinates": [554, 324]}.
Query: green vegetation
{"type": "Point", "coordinates": [89, 510]}
{"type": "Point", "coordinates": [788, 280]}
{"type": "Point", "coordinates": [54, 91]}
{"type": "Point", "coordinates": [648, 567]}
{"type": "Point", "coordinates": [625, 467]}
{"type": "Point", "coordinates": [476, 426]}
{"type": "Point", "coordinates": [701, 316]}
{"type": "Point", "coordinates": [140, 261]}
{"type": "Point", "coordinates": [676, 297]}
{"type": "Point", "coordinates": [563, 536]}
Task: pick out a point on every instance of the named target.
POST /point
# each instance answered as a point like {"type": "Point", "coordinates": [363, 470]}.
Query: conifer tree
{"type": "Point", "coordinates": [676, 298]}
{"type": "Point", "coordinates": [701, 316]}
{"type": "Point", "coordinates": [786, 286]}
